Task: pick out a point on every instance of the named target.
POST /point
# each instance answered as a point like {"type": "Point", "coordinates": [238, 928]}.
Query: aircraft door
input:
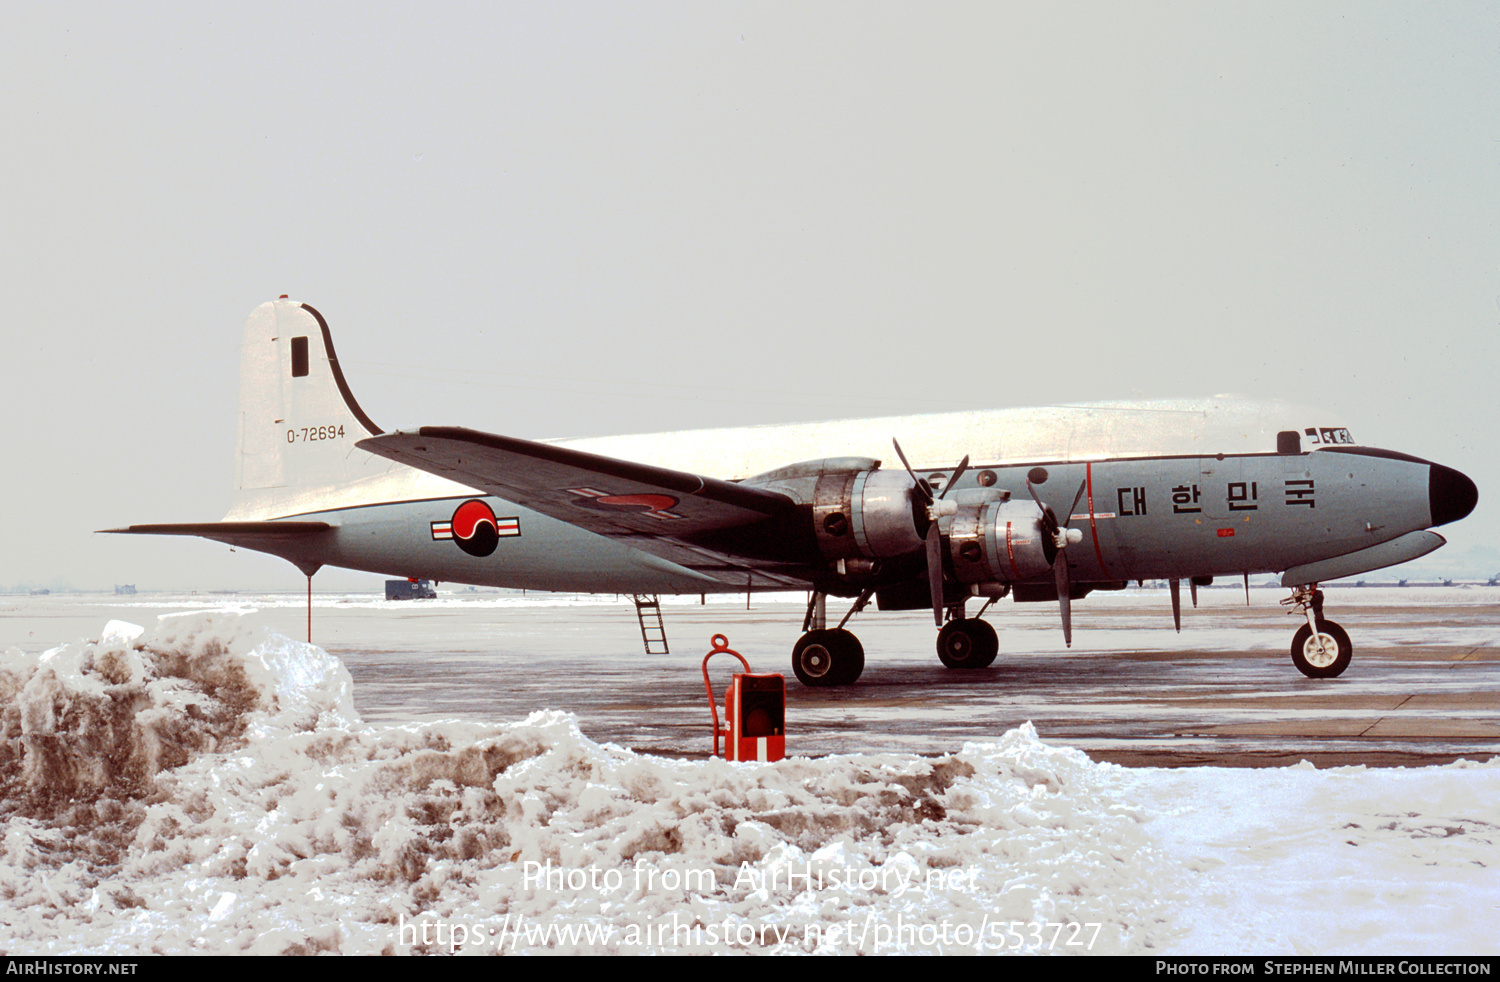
{"type": "Point", "coordinates": [1225, 492]}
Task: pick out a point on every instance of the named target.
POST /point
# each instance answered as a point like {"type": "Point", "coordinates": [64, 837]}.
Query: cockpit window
{"type": "Point", "coordinates": [1328, 436]}
{"type": "Point", "coordinates": [1288, 442]}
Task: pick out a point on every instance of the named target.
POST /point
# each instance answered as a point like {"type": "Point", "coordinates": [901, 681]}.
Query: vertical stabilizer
{"type": "Point", "coordinates": [298, 422]}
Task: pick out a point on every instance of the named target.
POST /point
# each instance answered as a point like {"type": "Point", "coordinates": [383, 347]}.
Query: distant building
{"type": "Point", "coordinates": [125, 589]}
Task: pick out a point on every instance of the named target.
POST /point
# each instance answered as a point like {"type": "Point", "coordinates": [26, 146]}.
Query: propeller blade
{"type": "Point", "coordinates": [922, 485]}
{"type": "Point", "coordinates": [1074, 506]}
{"type": "Point", "coordinates": [963, 465]}
{"type": "Point", "coordinates": [1051, 527]}
{"type": "Point", "coordinates": [1193, 588]}
{"type": "Point", "coordinates": [934, 538]}
{"type": "Point", "coordinates": [935, 571]}
{"type": "Point", "coordinates": [1247, 589]}
{"type": "Point", "coordinates": [1176, 586]}
{"type": "Point", "coordinates": [1064, 597]}
{"type": "Point", "coordinates": [1049, 520]}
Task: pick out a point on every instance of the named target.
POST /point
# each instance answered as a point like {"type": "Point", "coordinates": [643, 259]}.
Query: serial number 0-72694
{"type": "Point", "coordinates": [309, 433]}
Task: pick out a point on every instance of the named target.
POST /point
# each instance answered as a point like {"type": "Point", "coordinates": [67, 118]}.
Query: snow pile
{"type": "Point", "coordinates": [202, 787]}
{"type": "Point", "coordinates": [104, 718]}
{"type": "Point", "coordinates": [199, 788]}
{"type": "Point", "coordinates": [841, 854]}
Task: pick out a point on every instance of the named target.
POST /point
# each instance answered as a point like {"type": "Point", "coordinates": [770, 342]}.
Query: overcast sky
{"type": "Point", "coordinates": [561, 219]}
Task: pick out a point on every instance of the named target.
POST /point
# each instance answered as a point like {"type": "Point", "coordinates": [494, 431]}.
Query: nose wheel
{"type": "Point", "coordinates": [1320, 648]}
{"type": "Point", "coordinates": [1324, 653]}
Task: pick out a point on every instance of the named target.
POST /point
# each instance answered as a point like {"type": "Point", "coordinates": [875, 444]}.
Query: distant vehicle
{"type": "Point", "coordinates": [1061, 501]}
{"type": "Point", "coordinates": [409, 590]}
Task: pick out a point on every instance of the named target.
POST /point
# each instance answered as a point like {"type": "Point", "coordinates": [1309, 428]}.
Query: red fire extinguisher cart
{"type": "Point", "coordinates": [754, 711]}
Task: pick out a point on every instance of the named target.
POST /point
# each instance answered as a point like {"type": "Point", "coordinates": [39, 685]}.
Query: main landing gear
{"type": "Point", "coordinates": [833, 656]}
{"type": "Point", "coordinates": [1320, 648]}
{"type": "Point", "coordinates": [828, 658]}
{"type": "Point", "coordinates": [823, 657]}
{"type": "Point", "coordinates": [967, 642]}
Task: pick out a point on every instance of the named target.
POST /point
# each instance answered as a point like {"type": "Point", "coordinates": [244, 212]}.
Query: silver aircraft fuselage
{"type": "Point", "coordinates": [1045, 503]}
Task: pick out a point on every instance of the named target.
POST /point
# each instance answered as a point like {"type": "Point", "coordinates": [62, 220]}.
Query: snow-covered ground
{"type": "Point", "coordinates": [207, 786]}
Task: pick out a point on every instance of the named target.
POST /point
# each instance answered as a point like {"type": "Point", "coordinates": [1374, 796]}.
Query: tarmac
{"type": "Point", "coordinates": [1423, 687]}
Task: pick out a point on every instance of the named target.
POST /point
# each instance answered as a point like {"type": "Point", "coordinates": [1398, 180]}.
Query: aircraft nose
{"type": "Point", "coordinates": [1450, 494]}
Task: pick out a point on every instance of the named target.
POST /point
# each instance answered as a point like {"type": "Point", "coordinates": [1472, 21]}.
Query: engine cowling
{"type": "Point", "coordinates": [859, 512]}
{"type": "Point", "coordinates": [1000, 542]}
{"type": "Point", "coordinates": [870, 514]}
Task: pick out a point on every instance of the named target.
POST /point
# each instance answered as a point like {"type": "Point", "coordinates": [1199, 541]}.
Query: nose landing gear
{"type": "Point", "coordinates": [1321, 649]}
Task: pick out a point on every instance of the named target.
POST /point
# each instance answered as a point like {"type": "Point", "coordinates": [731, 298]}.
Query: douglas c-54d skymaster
{"type": "Point", "coordinates": [1041, 505]}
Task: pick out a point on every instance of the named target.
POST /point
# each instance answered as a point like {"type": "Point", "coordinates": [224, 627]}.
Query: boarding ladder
{"type": "Point", "coordinates": [653, 631]}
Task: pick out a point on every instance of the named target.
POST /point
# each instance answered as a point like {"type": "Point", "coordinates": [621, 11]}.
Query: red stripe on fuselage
{"type": "Point", "coordinates": [1093, 525]}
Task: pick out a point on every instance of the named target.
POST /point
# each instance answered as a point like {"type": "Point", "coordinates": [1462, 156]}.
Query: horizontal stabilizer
{"type": "Point", "coordinates": [217, 530]}
{"type": "Point", "coordinates": [273, 537]}
{"type": "Point", "coordinates": [297, 542]}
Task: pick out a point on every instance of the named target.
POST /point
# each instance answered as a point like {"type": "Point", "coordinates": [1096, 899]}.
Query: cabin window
{"type": "Point", "coordinates": [1288, 442]}
{"type": "Point", "coordinates": [299, 357]}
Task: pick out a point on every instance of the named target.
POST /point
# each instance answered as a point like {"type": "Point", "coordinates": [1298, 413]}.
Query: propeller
{"type": "Point", "coordinates": [1062, 537]}
{"type": "Point", "coordinates": [1176, 586]}
{"type": "Point", "coordinates": [934, 539]}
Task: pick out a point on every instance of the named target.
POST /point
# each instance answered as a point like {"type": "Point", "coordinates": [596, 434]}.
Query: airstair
{"type": "Point", "coordinates": [653, 631]}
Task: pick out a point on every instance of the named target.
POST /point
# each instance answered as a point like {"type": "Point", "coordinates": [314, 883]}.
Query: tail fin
{"type": "Point", "coordinates": [298, 421]}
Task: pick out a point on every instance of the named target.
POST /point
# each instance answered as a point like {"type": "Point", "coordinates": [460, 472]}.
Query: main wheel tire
{"type": "Point", "coordinates": [852, 658]}
{"type": "Point", "coordinates": [967, 643]}
{"type": "Point", "coordinates": [986, 643]}
{"type": "Point", "coordinates": [1324, 655]}
{"type": "Point", "coordinates": [829, 657]}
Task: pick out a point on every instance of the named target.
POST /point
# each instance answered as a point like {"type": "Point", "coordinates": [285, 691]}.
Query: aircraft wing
{"type": "Point", "coordinates": [682, 517]}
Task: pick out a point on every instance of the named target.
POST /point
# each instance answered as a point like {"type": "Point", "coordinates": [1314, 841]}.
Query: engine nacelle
{"type": "Point", "coordinates": [871, 514]}
{"type": "Point", "coordinates": [1000, 542]}
{"type": "Point", "coordinates": [859, 512]}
